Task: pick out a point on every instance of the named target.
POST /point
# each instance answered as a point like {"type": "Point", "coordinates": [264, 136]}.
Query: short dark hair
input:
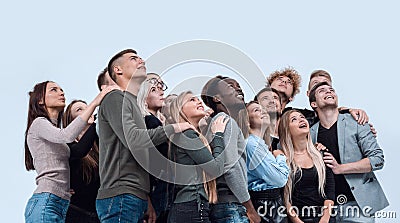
{"type": "Point", "coordinates": [113, 59]}
{"type": "Point", "coordinates": [208, 92]}
{"type": "Point", "coordinates": [312, 97]}
{"type": "Point", "coordinates": [101, 79]}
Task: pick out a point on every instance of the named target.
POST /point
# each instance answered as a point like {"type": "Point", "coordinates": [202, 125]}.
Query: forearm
{"type": "Point", "coordinates": [361, 166]}
{"type": "Point", "coordinates": [88, 111]}
{"type": "Point", "coordinates": [81, 149]}
{"type": "Point", "coordinates": [292, 215]}
{"type": "Point", "coordinates": [251, 212]}
{"type": "Point", "coordinates": [327, 210]}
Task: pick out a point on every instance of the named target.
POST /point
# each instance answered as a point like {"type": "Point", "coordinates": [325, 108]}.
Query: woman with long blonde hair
{"type": "Point", "coordinates": [267, 170]}
{"type": "Point", "coordinates": [150, 101]}
{"type": "Point", "coordinates": [199, 162]}
{"type": "Point", "coordinates": [310, 190]}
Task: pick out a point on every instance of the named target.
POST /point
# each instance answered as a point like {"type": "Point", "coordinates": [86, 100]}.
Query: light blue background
{"type": "Point", "coordinates": [71, 41]}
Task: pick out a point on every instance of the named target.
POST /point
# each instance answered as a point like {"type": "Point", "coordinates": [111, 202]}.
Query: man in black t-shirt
{"type": "Point", "coordinates": [353, 156]}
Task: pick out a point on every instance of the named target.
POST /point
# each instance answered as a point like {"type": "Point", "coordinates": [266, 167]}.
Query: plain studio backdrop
{"type": "Point", "coordinates": [70, 42]}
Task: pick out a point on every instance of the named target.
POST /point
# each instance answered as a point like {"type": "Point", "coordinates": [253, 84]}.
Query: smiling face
{"type": "Point", "coordinates": [233, 83]}
{"type": "Point", "coordinates": [325, 96]}
{"type": "Point", "coordinates": [258, 117]}
{"type": "Point", "coordinates": [193, 108]}
{"type": "Point", "coordinates": [269, 100]}
{"type": "Point", "coordinates": [228, 95]}
{"type": "Point", "coordinates": [298, 125]}
{"type": "Point", "coordinates": [54, 97]}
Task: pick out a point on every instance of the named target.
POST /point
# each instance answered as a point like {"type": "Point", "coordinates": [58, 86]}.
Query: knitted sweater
{"type": "Point", "coordinates": [50, 152]}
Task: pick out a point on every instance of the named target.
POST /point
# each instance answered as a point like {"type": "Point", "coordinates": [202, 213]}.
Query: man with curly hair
{"type": "Point", "coordinates": [286, 81]}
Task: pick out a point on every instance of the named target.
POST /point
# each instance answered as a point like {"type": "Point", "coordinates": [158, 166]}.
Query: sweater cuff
{"type": "Point", "coordinates": [169, 130]}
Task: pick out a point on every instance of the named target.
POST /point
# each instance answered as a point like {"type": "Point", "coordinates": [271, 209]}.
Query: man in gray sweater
{"type": "Point", "coordinates": [124, 144]}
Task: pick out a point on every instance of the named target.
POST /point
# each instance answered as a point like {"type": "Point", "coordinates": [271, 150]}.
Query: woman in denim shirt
{"type": "Point", "coordinates": [267, 171]}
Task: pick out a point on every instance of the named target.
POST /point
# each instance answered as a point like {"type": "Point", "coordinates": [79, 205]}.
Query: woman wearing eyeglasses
{"type": "Point", "coordinates": [150, 101]}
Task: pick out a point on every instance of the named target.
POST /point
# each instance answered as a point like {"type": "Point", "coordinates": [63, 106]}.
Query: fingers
{"type": "Point", "coordinates": [320, 147]}
{"type": "Point", "coordinates": [373, 130]}
{"type": "Point", "coordinates": [363, 117]}
{"type": "Point", "coordinates": [360, 116]}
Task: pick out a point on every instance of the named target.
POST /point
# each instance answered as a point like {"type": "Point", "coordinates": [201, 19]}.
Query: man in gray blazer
{"type": "Point", "coordinates": [353, 156]}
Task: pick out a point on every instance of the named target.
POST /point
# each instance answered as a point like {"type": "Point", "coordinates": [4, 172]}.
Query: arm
{"type": "Point", "coordinates": [81, 148]}
{"type": "Point", "coordinates": [330, 195]}
{"type": "Point", "coordinates": [122, 118]}
{"type": "Point", "coordinates": [358, 114]}
{"type": "Point", "coordinates": [44, 129]}
{"type": "Point", "coordinates": [150, 213]}
{"type": "Point", "coordinates": [366, 142]}
{"type": "Point", "coordinates": [251, 212]}
{"type": "Point", "coordinates": [326, 212]}
{"type": "Point", "coordinates": [235, 174]}
{"type": "Point", "coordinates": [292, 215]}
{"type": "Point", "coordinates": [199, 153]}
{"type": "Point", "coordinates": [263, 164]}
{"type": "Point", "coordinates": [361, 166]}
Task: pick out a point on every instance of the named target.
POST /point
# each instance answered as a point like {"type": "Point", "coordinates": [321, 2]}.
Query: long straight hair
{"type": "Point", "coordinates": [287, 145]}
{"type": "Point", "coordinates": [210, 186]}
{"type": "Point", "coordinates": [37, 108]}
{"type": "Point", "coordinates": [90, 163]}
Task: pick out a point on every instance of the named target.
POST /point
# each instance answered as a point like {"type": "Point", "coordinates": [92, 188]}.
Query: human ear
{"type": "Point", "coordinates": [217, 99]}
{"type": "Point", "coordinates": [314, 104]}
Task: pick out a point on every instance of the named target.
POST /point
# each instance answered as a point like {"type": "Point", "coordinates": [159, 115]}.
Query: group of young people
{"type": "Point", "coordinates": [147, 157]}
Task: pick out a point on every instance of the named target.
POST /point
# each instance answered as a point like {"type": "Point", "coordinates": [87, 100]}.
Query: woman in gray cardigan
{"type": "Point", "coordinates": [198, 163]}
{"type": "Point", "coordinates": [47, 152]}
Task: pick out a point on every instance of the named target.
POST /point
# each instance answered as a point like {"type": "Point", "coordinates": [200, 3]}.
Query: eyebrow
{"type": "Point", "coordinates": [134, 57]}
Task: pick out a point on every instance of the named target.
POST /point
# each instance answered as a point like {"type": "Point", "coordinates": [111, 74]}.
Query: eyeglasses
{"type": "Point", "coordinates": [160, 84]}
{"type": "Point", "coordinates": [287, 81]}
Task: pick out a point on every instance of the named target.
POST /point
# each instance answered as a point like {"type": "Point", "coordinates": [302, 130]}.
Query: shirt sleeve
{"type": "Point", "coordinates": [123, 117]}
{"type": "Point", "coordinates": [81, 148]}
{"type": "Point", "coordinates": [370, 147]}
{"type": "Point", "coordinates": [44, 129]}
{"type": "Point", "coordinates": [235, 170]}
{"type": "Point", "coordinates": [263, 164]}
{"type": "Point", "coordinates": [211, 163]}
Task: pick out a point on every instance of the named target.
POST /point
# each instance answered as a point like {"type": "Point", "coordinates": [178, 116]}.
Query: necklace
{"type": "Point", "coordinates": [300, 153]}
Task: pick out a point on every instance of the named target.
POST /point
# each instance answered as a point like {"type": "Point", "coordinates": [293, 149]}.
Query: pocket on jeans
{"type": "Point", "coordinates": [30, 206]}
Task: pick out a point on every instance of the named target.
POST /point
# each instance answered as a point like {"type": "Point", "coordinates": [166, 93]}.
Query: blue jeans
{"type": "Point", "coordinates": [228, 213]}
{"type": "Point", "coordinates": [46, 208]}
{"type": "Point", "coordinates": [124, 208]}
{"type": "Point", "coordinates": [192, 211]}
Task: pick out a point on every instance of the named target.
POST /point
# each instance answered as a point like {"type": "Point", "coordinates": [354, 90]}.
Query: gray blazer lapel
{"type": "Point", "coordinates": [341, 127]}
{"type": "Point", "coordinates": [314, 132]}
